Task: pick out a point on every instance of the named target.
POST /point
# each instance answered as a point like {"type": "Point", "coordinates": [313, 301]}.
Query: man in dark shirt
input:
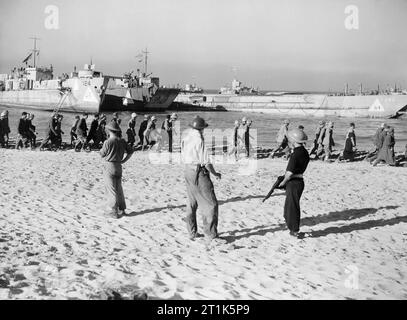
{"type": "Point", "coordinates": [293, 181]}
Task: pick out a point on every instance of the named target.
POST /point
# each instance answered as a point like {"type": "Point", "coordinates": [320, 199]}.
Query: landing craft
{"type": "Point", "coordinates": [87, 90]}
{"type": "Point", "coordinates": [389, 104]}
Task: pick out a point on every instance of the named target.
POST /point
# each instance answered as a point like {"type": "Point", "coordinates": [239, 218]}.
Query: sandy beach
{"type": "Point", "coordinates": [56, 242]}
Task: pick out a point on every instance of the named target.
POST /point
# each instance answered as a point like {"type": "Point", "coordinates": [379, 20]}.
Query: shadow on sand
{"type": "Point", "coordinates": [344, 215]}
{"type": "Point", "coordinates": [235, 199]}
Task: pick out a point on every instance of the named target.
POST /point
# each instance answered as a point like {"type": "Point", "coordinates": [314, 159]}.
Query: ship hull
{"type": "Point", "coordinates": [318, 105]}
{"type": "Point", "coordinates": [79, 100]}
{"type": "Point", "coordinates": [136, 99]}
{"type": "Point", "coordinates": [50, 100]}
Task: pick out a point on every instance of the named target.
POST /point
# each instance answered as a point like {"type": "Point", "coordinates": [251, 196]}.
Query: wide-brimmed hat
{"type": "Point", "coordinates": [198, 123]}
{"type": "Point", "coordinates": [297, 135]}
{"type": "Point", "coordinates": [113, 126]}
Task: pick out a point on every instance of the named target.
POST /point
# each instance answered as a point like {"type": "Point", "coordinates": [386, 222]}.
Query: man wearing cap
{"type": "Point", "coordinates": [321, 125]}
{"type": "Point", "coordinates": [4, 129]}
{"type": "Point", "coordinates": [293, 180]}
{"type": "Point", "coordinates": [282, 140]}
{"type": "Point", "coordinates": [200, 188]}
{"type": "Point", "coordinates": [112, 152]}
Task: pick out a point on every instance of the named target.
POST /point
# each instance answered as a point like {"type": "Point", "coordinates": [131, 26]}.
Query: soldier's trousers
{"type": "Point", "coordinates": [292, 212]}
{"type": "Point", "coordinates": [201, 194]}
{"type": "Point", "coordinates": [113, 184]}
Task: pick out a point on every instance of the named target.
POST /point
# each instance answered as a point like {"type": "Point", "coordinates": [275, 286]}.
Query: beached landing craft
{"type": "Point", "coordinates": [84, 91]}
{"type": "Point", "coordinates": [390, 105]}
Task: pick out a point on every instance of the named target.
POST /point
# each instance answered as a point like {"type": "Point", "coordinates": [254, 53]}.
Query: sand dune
{"type": "Point", "coordinates": [56, 242]}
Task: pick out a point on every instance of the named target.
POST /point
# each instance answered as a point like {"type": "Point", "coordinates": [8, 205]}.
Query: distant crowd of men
{"type": "Point", "coordinates": [83, 138]}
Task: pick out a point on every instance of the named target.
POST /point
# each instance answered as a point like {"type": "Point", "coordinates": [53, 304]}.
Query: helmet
{"type": "Point", "coordinates": [297, 135]}
{"type": "Point", "coordinates": [198, 123]}
{"type": "Point", "coordinates": [174, 116]}
{"type": "Point", "coordinates": [133, 115]}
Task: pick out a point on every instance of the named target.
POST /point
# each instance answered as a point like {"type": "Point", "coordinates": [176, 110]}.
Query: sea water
{"type": "Point", "coordinates": [266, 125]}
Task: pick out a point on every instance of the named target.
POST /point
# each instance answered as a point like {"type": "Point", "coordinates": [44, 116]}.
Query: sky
{"type": "Point", "coordinates": [273, 45]}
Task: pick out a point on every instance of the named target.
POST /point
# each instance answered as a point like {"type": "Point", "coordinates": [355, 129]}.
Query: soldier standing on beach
{"type": "Point", "coordinates": [294, 182]}
{"type": "Point", "coordinates": [4, 129]}
{"type": "Point", "coordinates": [200, 188]}
{"type": "Point", "coordinates": [112, 152]}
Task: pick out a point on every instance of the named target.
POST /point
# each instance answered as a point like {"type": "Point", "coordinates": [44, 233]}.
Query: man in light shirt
{"type": "Point", "coordinates": [200, 189]}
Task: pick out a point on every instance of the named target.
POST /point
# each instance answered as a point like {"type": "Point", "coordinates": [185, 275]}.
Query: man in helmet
{"type": "Point", "coordinates": [200, 189]}
{"type": "Point", "coordinates": [293, 180]}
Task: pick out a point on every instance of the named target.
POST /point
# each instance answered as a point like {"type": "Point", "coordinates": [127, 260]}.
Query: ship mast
{"type": "Point", "coordinates": [145, 60]}
{"type": "Point", "coordinates": [35, 51]}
